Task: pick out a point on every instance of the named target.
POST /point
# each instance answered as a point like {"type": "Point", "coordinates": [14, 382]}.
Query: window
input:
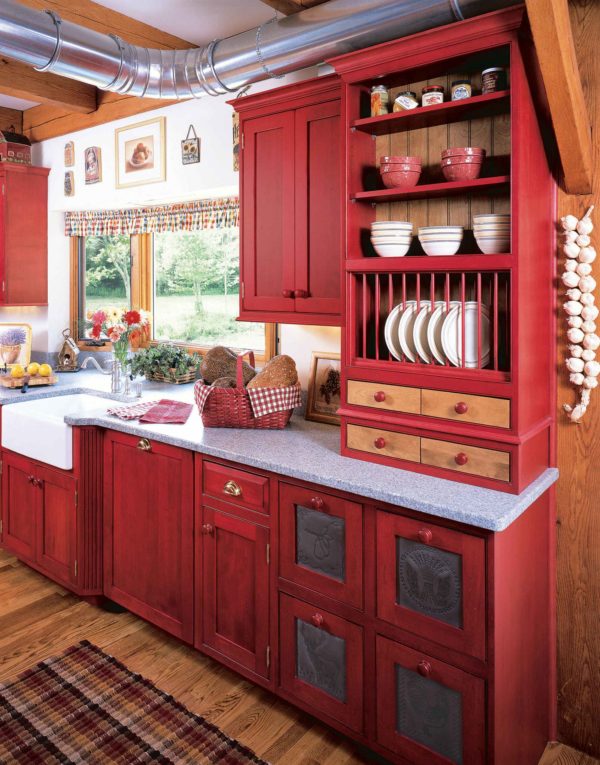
{"type": "Point", "coordinates": [188, 280]}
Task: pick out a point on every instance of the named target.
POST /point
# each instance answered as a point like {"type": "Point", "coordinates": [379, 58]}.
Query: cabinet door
{"type": "Point", "coordinates": [267, 205]}
{"type": "Point", "coordinates": [321, 661]}
{"type": "Point", "coordinates": [56, 526]}
{"type": "Point", "coordinates": [235, 587]}
{"type": "Point", "coordinates": [428, 712]}
{"type": "Point", "coordinates": [431, 581]}
{"type": "Point", "coordinates": [19, 506]}
{"type": "Point", "coordinates": [318, 216]}
{"type": "Point", "coordinates": [321, 543]}
{"type": "Point", "coordinates": [148, 531]}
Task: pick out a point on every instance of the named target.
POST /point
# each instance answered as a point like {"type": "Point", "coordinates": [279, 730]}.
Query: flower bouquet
{"type": "Point", "coordinates": [121, 326]}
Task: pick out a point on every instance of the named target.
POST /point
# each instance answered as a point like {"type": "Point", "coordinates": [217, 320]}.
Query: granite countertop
{"type": "Point", "coordinates": [306, 450]}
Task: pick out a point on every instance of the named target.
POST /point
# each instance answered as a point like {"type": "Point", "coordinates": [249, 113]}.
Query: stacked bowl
{"type": "Point", "coordinates": [391, 238]}
{"type": "Point", "coordinates": [492, 232]}
{"type": "Point", "coordinates": [400, 172]}
{"type": "Point", "coordinates": [462, 163]}
{"type": "Point", "coordinates": [440, 240]}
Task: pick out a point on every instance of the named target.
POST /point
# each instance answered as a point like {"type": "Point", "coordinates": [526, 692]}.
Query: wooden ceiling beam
{"type": "Point", "coordinates": [11, 118]}
{"type": "Point", "coordinates": [288, 7]}
{"type": "Point", "coordinates": [21, 81]}
{"type": "Point", "coordinates": [552, 34]}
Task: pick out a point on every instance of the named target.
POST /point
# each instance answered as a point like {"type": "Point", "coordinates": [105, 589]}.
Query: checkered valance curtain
{"type": "Point", "coordinates": [187, 216]}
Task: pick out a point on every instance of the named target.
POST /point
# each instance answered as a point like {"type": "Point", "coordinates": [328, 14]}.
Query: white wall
{"type": "Point", "coordinates": [213, 176]}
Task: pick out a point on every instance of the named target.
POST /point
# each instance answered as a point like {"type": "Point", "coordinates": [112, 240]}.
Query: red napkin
{"type": "Point", "coordinates": [167, 411]}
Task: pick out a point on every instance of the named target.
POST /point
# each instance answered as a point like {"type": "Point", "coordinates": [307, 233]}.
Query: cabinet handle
{"type": "Point", "coordinates": [233, 489]}
{"type": "Point", "coordinates": [425, 536]}
{"type": "Point", "coordinates": [144, 445]}
{"type": "Point", "coordinates": [461, 458]}
{"type": "Point", "coordinates": [317, 503]}
{"type": "Point", "coordinates": [317, 620]}
{"type": "Point", "coordinates": [461, 408]}
{"type": "Point", "coordinates": [379, 443]}
{"type": "Point", "coordinates": [424, 668]}
{"type": "Point", "coordinates": [300, 293]}
{"type": "Point", "coordinates": [379, 396]}
{"type": "Point", "coordinates": [208, 528]}
{"type": "Point", "coordinates": [288, 293]}
{"type": "Point", "coordinates": [31, 479]}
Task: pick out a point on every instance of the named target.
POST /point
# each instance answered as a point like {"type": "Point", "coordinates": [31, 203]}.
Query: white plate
{"type": "Point", "coordinates": [452, 336]}
{"type": "Point", "coordinates": [434, 329]}
{"type": "Point", "coordinates": [405, 330]}
{"type": "Point", "coordinates": [420, 331]}
{"type": "Point", "coordinates": [390, 331]}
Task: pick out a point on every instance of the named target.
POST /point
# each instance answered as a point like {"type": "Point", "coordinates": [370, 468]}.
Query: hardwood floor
{"type": "Point", "coordinates": [39, 619]}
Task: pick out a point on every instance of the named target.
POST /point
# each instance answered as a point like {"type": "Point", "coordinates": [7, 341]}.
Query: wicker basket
{"type": "Point", "coordinates": [175, 379]}
{"type": "Point", "coordinates": [231, 407]}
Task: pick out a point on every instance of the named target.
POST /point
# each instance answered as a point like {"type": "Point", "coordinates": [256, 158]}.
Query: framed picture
{"type": "Point", "coordinates": [140, 153]}
{"type": "Point", "coordinates": [15, 344]}
{"type": "Point", "coordinates": [69, 154]}
{"type": "Point", "coordinates": [93, 165]}
{"type": "Point", "coordinates": [236, 141]}
{"type": "Point", "coordinates": [190, 148]}
{"type": "Point", "coordinates": [69, 183]}
{"type": "Point", "coordinates": [324, 388]}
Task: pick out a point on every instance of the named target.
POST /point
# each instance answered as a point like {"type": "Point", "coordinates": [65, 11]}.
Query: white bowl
{"type": "Point", "coordinates": [441, 229]}
{"type": "Point", "coordinates": [490, 245]}
{"type": "Point", "coordinates": [392, 224]}
{"type": "Point", "coordinates": [391, 235]}
{"type": "Point", "coordinates": [492, 230]}
{"type": "Point", "coordinates": [444, 237]}
{"type": "Point", "coordinates": [440, 248]}
{"type": "Point", "coordinates": [391, 250]}
{"type": "Point", "coordinates": [492, 218]}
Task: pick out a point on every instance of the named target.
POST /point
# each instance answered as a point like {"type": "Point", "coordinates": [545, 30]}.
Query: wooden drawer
{"type": "Point", "coordinates": [488, 463]}
{"type": "Point", "coordinates": [479, 410]}
{"type": "Point", "coordinates": [394, 398]}
{"type": "Point", "coordinates": [236, 486]}
{"type": "Point", "coordinates": [383, 442]}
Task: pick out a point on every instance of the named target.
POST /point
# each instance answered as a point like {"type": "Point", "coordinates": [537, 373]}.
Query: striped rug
{"type": "Point", "coordinates": [85, 707]}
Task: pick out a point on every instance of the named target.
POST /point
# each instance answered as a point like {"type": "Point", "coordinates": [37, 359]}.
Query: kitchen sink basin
{"type": "Point", "coordinates": [37, 428]}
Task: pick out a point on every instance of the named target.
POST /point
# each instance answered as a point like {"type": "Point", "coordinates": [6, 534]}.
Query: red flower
{"type": "Point", "coordinates": [132, 317]}
{"type": "Point", "coordinates": [99, 317]}
{"type": "Point", "coordinates": [96, 331]}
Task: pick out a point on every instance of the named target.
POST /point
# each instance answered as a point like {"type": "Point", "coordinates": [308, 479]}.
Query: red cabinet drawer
{"type": "Point", "coordinates": [321, 661]}
{"type": "Point", "coordinates": [238, 487]}
{"type": "Point", "coordinates": [431, 581]}
{"type": "Point", "coordinates": [427, 711]}
{"type": "Point", "coordinates": [321, 543]}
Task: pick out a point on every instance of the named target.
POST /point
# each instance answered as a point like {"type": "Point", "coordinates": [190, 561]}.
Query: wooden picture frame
{"type": "Point", "coordinates": [322, 404]}
{"type": "Point", "coordinates": [140, 153]}
{"type": "Point", "coordinates": [93, 165]}
{"type": "Point", "coordinates": [15, 349]}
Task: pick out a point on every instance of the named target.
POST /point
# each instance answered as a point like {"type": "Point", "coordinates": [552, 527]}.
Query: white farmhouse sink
{"type": "Point", "coordinates": [37, 428]}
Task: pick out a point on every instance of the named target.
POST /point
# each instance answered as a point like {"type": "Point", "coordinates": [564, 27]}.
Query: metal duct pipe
{"type": "Point", "coordinates": [49, 44]}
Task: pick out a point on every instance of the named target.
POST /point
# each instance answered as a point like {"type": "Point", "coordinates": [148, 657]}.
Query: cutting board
{"type": "Point", "coordinates": [6, 381]}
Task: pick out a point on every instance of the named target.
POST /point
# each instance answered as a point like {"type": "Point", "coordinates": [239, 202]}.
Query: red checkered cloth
{"type": "Point", "coordinates": [262, 400]}
{"type": "Point", "coordinates": [132, 411]}
{"type": "Point", "coordinates": [168, 412]}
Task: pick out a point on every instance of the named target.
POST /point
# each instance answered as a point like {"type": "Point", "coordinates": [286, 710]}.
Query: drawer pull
{"type": "Point", "coordinates": [379, 396]}
{"type": "Point", "coordinates": [233, 489]}
{"type": "Point", "coordinates": [144, 445]}
{"type": "Point", "coordinates": [424, 668]}
{"type": "Point", "coordinates": [317, 503]}
{"type": "Point", "coordinates": [208, 528]}
{"type": "Point", "coordinates": [317, 620]}
{"type": "Point", "coordinates": [31, 479]}
{"type": "Point", "coordinates": [461, 408]}
{"type": "Point", "coordinates": [461, 458]}
{"type": "Point", "coordinates": [425, 536]}
{"type": "Point", "coordinates": [379, 443]}
{"type": "Point", "coordinates": [288, 293]}
{"type": "Point", "coordinates": [300, 293]}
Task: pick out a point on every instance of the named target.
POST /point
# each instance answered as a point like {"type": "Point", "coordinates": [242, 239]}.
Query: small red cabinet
{"type": "Point", "coordinates": [233, 612]}
{"type": "Point", "coordinates": [291, 204]}
{"type": "Point", "coordinates": [23, 235]}
{"type": "Point", "coordinates": [148, 531]}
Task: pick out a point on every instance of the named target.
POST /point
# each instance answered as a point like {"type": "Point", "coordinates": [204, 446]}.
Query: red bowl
{"type": "Point", "coordinates": [401, 179]}
{"type": "Point", "coordinates": [461, 161]}
{"type": "Point", "coordinates": [461, 171]}
{"type": "Point", "coordinates": [399, 168]}
{"type": "Point", "coordinates": [466, 151]}
{"type": "Point", "coordinates": [398, 160]}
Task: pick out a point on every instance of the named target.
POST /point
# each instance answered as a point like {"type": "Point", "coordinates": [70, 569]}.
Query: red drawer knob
{"type": "Point", "coordinates": [288, 293]}
{"type": "Point", "coordinates": [379, 442]}
{"type": "Point", "coordinates": [424, 668]}
{"type": "Point", "coordinates": [317, 620]}
{"type": "Point", "coordinates": [425, 536]}
{"type": "Point", "coordinates": [379, 396]}
{"type": "Point", "coordinates": [461, 458]}
{"type": "Point", "coordinates": [317, 503]}
{"type": "Point", "coordinates": [208, 528]}
{"type": "Point", "coordinates": [300, 293]}
{"type": "Point", "coordinates": [461, 408]}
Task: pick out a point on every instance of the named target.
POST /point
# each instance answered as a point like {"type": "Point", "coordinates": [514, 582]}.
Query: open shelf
{"type": "Point", "coordinates": [431, 190]}
{"type": "Point", "coordinates": [438, 114]}
{"type": "Point", "coordinates": [423, 263]}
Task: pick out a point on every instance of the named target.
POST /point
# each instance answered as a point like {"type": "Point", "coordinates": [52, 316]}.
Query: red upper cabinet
{"type": "Point", "coordinates": [23, 235]}
{"type": "Point", "coordinates": [291, 204]}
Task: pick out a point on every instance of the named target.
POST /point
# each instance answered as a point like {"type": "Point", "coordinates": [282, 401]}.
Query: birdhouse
{"type": "Point", "coordinates": [14, 147]}
{"type": "Point", "coordinates": [67, 356]}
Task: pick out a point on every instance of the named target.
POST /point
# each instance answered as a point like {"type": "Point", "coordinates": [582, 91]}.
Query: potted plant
{"type": "Point", "coordinates": [166, 363]}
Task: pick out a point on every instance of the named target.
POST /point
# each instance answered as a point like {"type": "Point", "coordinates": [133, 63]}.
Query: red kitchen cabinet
{"type": "Point", "coordinates": [291, 204]}
{"type": "Point", "coordinates": [19, 519]}
{"type": "Point", "coordinates": [148, 531]}
{"type": "Point", "coordinates": [23, 235]}
{"type": "Point", "coordinates": [235, 590]}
